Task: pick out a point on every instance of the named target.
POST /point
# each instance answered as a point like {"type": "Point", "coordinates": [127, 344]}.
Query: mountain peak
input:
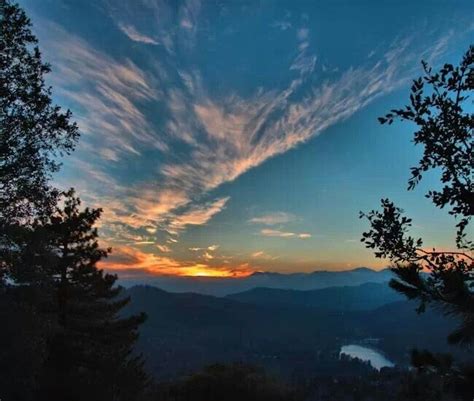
{"type": "Point", "coordinates": [363, 269]}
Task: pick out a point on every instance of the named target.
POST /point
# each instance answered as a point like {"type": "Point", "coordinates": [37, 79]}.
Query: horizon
{"type": "Point", "coordinates": [219, 146]}
{"type": "Point", "coordinates": [150, 275]}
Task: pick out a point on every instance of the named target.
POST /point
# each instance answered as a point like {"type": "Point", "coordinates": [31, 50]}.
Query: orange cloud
{"type": "Point", "coordinates": [199, 214]}
{"type": "Point", "coordinates": [129, 259]}
{"type": "Point", "coordinates": [163, 248]}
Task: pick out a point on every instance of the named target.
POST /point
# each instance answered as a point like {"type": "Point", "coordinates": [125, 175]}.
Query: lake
{"type": "Point", "coordinates": [376, 359]}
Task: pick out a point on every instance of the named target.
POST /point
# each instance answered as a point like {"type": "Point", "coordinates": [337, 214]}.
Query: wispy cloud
{"type": "Point", "coordinates": [189, 13]}
{"type": "Point", "coordinates": [263, 255]}
{"type": "Point", "coordinates": [237, 134]}
{"type": "Point", "coordinates": [273, 218]}
{"type": "Point", "coordinates": [282, 25]}
{"type": "Point", "coordinates": [197, 215]}
{"type": "Point", "coordinates": [208, 248]}
{"type": "Point", "coordinates": [164, 248]}
{"type": "Point", "coordinates": [224, 135]}
{"type": "Point", "coordinates": [304, 235]}
{"type": "Point", "coordinates": [136, 36]}
{"type": "Point", "coordinates": [266, 232]}
{"type": "Point", "coordinates": [231, 135]}
{"type": "Point", "coordinates": [106, 94]}
{"type": "Point", "coordinates": [302, 33]}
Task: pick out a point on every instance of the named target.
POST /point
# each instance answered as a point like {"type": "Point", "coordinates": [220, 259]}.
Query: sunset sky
{"type": "Point", "coordinates": [225, 137]}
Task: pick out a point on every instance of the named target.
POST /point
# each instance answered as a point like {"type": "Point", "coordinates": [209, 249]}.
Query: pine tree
{"type": "Point", "coordinates": [56, 303]}
{"type": "Point", "coordinates": [90, 354]}
{"type": "Point", "coordinates": [33, 134]}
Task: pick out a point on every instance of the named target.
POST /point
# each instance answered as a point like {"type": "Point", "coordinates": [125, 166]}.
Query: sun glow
{"type": "Point", "coordinates": [128, 260]}
{"type": "Point", "coordinates": [207, 271]}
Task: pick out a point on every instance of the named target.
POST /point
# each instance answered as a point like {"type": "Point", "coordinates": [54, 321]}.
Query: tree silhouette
{"type": "Point", "coordinates": [57, 304]}
{"type": "Point", "coordinates": [233, 382]}
{"type": "Point", "coordinates": [447, 132]}
{"type": "Point", "coordinates": [90, 355]}
{"type": "Point", "coordinates": [33, 131]}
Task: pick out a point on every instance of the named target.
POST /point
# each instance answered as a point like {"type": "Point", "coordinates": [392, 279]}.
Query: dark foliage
{"type": "Point", "coordinates": [444, 279]}
{"type": "Point", "coordinates": [447, 133]}
{"type": "Point", "coordinates": [225, 382]}
{"type": "Point", "coordinates": [23, 338]}
{"type": "Point", "coordinates": [65, 338]}
{"type": "Point", "coordinates": [246, 382]}
{"type": "Point", "coordinates": [450, 281]}
{"type": "Point", "coordinates": [33, 131]}
{"type": "Point", "coordinates": [90, 352]}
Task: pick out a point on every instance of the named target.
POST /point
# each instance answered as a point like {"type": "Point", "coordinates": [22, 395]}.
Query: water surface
{"type": "Point", "coordinates": [376, 359]}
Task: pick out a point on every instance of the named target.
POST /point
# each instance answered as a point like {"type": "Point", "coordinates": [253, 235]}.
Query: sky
{"type": "Point", "coordinates": [226, 137]}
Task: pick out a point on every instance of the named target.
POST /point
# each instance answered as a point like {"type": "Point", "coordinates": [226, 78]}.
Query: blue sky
{"type": "Point", "coordinates": [224, 137]}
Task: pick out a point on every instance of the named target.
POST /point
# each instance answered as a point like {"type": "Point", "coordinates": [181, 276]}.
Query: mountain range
{"type": "Point", "coordinates": [222, 286]}
{"type": "Point", "coordinates": [367, 296]}
{"type": "Point", "coordinates": [285, 331]}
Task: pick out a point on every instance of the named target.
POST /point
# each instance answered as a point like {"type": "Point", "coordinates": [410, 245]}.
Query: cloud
{"type": "Point", "coordinates": [230, 135]}
{"type": "Point", "coordinates": [305, 62]}
{"type": "Point", "coordinates": [304, 235]}
{"type": "Point", "coordinates": [266, 232]}
{"type": "Point", "coordinates": [163, 248]}
{"type": "Point", "coordinates": [189, 13]}
{"type": "Point", "coordinates": [276, 233]}
{"type": "Point", "coordinates": [136, 36]}
{"type": "Point", "coordinates": [132, 262]}
{"type": "Point", "coordinates": [224, 135]}
{"type": "Point", "coordinates": [272, 218]}
{"type": "Point", "coordinates": [282, 25]}
{"type": "Point", "coordinates": [263, 255]}
{"type": "Point", "coordinates": [105, 93]}
{"type": "Point", "coordinates": [209, 248]}
{"type": "Point", "coordinates": [302, 34]}
{"type": "Point", "coordinates": [198, 214]}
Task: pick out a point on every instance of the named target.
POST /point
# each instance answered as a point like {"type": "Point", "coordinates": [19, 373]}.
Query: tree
{"type": "Point", "coordinates": [33, 134]}
{"type": "Point", "coordinates": [33, 131]}
{"type": "Point", "coordinates": [54, 298]}
{"type": "Point", "coordinates": [233, 382]}
{"type": "Point", "coordinates": [90, 353]}
{"type": "Point", "coordinates": [446, 131]}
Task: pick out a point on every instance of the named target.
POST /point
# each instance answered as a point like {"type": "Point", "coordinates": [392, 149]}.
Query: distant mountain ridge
{"type": "Point", "coordinates": [219, 286]}
{"type": "Point", "coordinates": [366, 296]}
{"type": "Point", "coordinates": [185, 331]}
